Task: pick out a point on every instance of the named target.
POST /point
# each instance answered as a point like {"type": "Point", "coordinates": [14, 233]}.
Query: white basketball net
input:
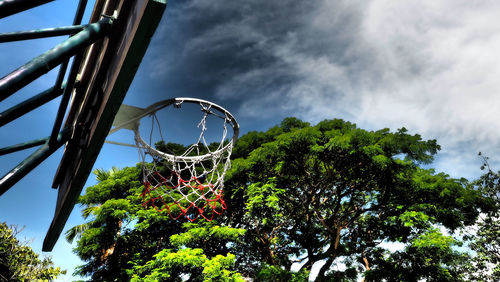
{"type": "Point", "coordinates": [191, 183]}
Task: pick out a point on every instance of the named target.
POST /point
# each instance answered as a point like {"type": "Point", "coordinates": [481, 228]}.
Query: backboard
{"type": "Point", "coordinates": [106, 72]}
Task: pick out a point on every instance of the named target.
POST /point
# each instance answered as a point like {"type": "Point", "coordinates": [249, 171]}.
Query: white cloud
{"type": "Point", "coordinates": [436, 62]}
{"type": "Point", "coordinates": [431, 66]}
{"type": "Point", "coordinates": [440, 64]}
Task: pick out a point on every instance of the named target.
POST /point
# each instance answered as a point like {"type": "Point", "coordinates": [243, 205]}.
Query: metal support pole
{"type": "Point", "coordinates": [23, 168]}
{"type": "Point", "coordinates": [11, 7]}
{"type": "Point", "coordinates": [40, 33]}
{"type": "Point", "coordinates": [76, 21]}
{"type": "Point", "coordinates": [22, 146]}
{"type": "Point", "coordinates": [30, 104]}
{"type": "Point", "coordinates": [72, 77]}
{"type": "Point", "coordinates": [65, 99]}
{"type": "Point", "coordinates": [80, 10]}
{"type": "Point", "coordinates": [19, 78]}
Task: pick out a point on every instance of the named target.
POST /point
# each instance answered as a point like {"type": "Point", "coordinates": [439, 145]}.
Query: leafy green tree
{"type": "Point", "coordinates": [332, 193]}
{"type": "Point", "coordinates": [121, 239]}
{"type": "Point", "coordinates": [297, 195]}
{"type": "Point", "coordinates": [18, 262]}
{"type": "Point", "coordinates": [103, 240]}
{"type": "Point", "coordinates": [485, 241]}
{"type": "Point", "coordinates": [431, 255]}
{"type": "Point", "coordinates": [184, 262]}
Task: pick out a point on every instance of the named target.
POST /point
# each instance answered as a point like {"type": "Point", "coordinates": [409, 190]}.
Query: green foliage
{"type": "Point", "coordinates": [18, 262]}
{"type": "Point", "coordinates": [485, 241]}
{"type": "Point", "coordinates": [168, 265]}
{"type": "Point", "coordinates": [277, 273]}
{"type": "Point", "coordinates": [170, 148]}
{"type": "Point", "coordinates": [264, 196]}
{"type": "Point", "coordinates": [430, 256]}
{"type": "Point", "coordinates": [105, 241]}
{"type": "Point", "coordinates": [198, 264]}
{"type": "Point", "coordinates": [122, 239]}
{"type": "Point", "coordinates": [333, 192]}
{"type": "Point", "coordinates": [201, 233]}
{"type": "Point", "coordinates": [217, 269]}
{"type": "Point", "coordinates": [297, 193]}
{"type": "Point", "coordinates": [291, 123]}
{"type": "Point", "coordinates": [176, 266]}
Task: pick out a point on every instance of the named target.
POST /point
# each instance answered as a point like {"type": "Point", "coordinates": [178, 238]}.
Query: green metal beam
{"type": "Point", "coordinates": [22, 146]}
{"type": "Point", "coordinates": [11, 7]}
{"type": "Point", "coordinates": [40, 33]}
{"type": "Point", "coordinates": [149, 22]}
{"type": "Point", "coordinates": [76, 21]}
{"type": "Point", "coordinates": [42, 64]}
{"type": "Point", "coordinates": [30, 104]}
{"type": "Point", "coordinates": [27, 165]}
{"type": "Point", "coordinates": [71, 78]}
{"type": "Point", "coordinates": [80, 10]}
{"type": "Point", "coordinates": [65, 99]}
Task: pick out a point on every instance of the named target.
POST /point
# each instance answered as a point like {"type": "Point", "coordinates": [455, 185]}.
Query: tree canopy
{"type": "Point", "coordinates": [330, 195]}
{"type": "Point", "coordinates": [333, 193]}
{"type": "Point", "coordinates": [18, 262]}
{"type": "Point", "coordinates": [485, 238]}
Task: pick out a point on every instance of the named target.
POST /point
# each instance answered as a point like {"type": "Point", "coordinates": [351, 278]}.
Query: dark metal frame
{"type": "Point", "coordinates": [90, 116]}
{"type": "Point", "coordinates": [82, 36]}
{"type": "Point", "coordinates": [11, 7]}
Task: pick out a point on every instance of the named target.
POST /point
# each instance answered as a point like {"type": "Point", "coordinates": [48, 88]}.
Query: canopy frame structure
{"type": "Point", "coordinates": [81, 37]}
{"type": "Point", "coordinates": [96, 66]}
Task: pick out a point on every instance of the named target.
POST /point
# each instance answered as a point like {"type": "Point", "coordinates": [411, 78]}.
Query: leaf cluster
{"type": "Point", "coordinates": [18, 262]}
{"type": "Point", "coordinates": [333, 192]}
{"type": "Point", "coordinates": [484, 240]}
{"type": "Point", "coordinates": [296, 195]}
{"type": "Point", "coordinates": [122, 239]}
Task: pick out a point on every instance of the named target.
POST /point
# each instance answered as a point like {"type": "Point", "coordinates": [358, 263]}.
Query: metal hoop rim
{"type": "Point", "coordinates": [173, 158]}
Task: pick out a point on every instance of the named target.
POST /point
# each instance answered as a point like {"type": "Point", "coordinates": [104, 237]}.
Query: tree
{"type": "Point", "coordinates": [297, 195]}
{"type": "Point", "coordinates": [122, 240]}
{"type": "Point", "coordinates": [184, 262]}
{"type": "Point", "coordinates": [333, 193]}
{"type": "Point", "coordinates": [18, 262]}
{"type": "Point", "coordinates": [485, 242]}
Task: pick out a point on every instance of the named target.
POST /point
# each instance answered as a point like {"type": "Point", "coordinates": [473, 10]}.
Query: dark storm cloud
{"type": "Point", "coordinates": [429, 66]}
{"type": "Point", "coordinates": [260, 54]}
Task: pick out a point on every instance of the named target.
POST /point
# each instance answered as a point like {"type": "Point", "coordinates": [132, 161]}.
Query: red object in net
{"type": "Point", "coordinates": [189, 198]}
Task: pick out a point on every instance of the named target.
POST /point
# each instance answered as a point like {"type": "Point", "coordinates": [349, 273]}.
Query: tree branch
{"type": "Point", "coordinates": [324, 269]}
{"type": "Point", "coordinates": [366, 263]}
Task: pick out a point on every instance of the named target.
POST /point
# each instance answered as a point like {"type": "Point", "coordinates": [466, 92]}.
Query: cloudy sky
{"type": "Point", "coordinates": [430, 66]}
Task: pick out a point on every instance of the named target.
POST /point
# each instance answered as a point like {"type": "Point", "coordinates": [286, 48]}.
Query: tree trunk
{"type": "Point", "coordinates": [311, 259]}
{"type": "Point", "coordinates": [324, 269]}
{"type": "Point", "coordinates": [109, 251]}
{"type": "Point", "coordinates": [334, 252]}
{"type": "Point", "coordinates": [367, 265]}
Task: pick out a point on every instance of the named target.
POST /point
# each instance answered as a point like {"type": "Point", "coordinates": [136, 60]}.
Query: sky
{"type": "Point", "coordinates": [429, 66]}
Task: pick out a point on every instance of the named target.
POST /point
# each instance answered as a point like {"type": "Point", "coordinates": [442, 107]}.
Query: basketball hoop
{"type": "Point", "coordinates": [190, 183]}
